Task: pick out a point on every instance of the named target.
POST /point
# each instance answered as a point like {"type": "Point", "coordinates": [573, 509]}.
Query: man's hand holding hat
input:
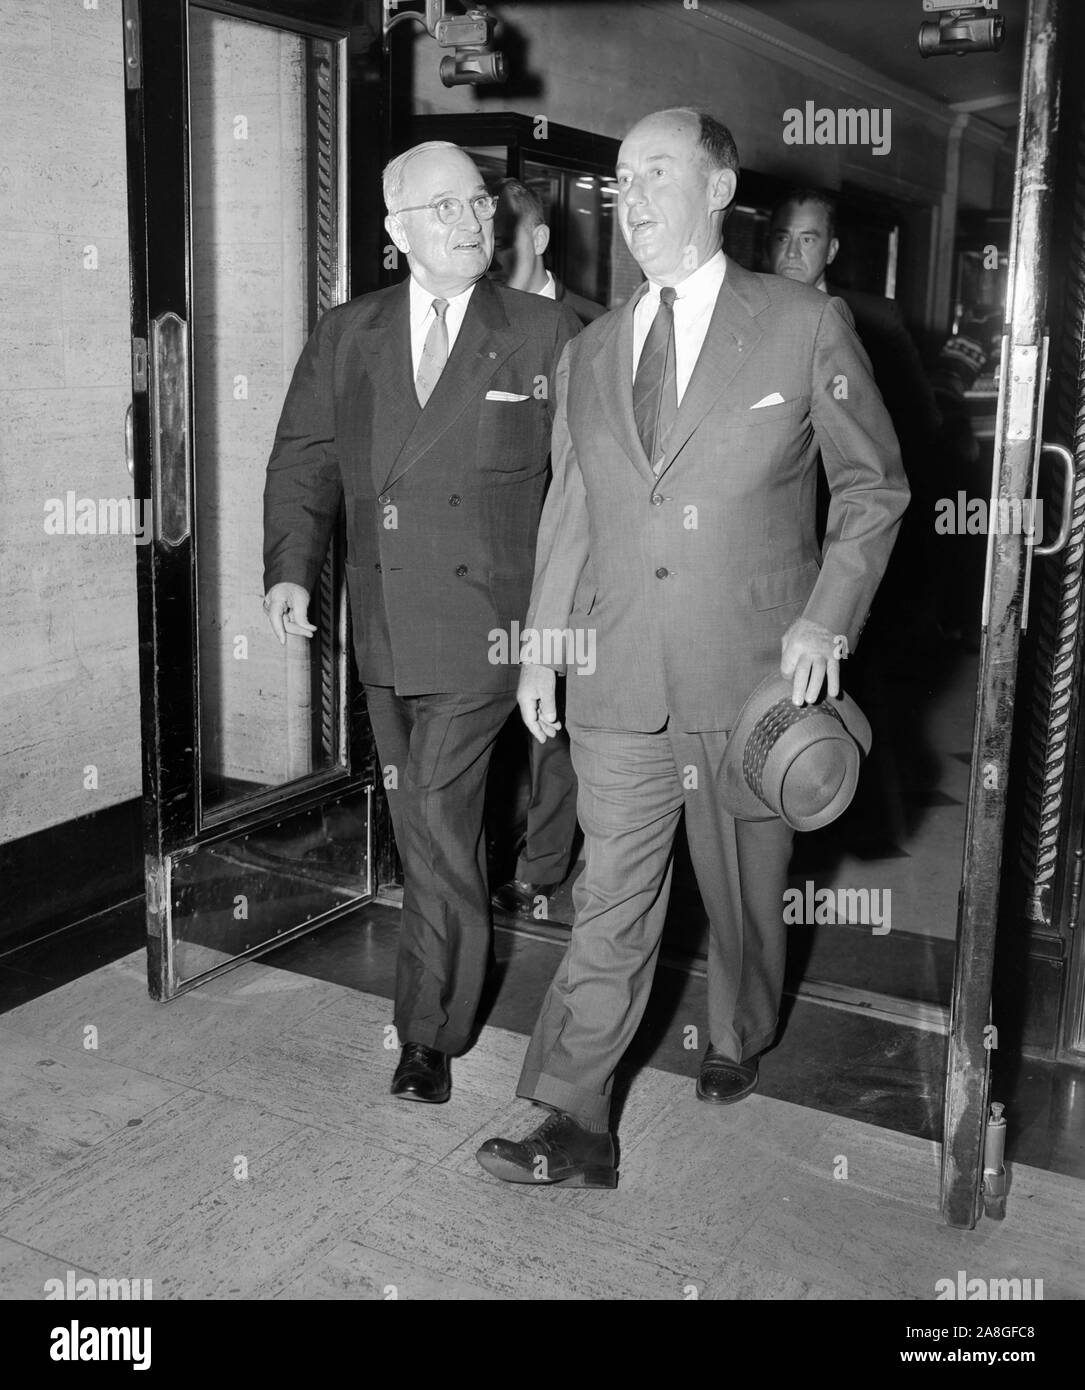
{"type": "Point", "coordinates": [810, 652]}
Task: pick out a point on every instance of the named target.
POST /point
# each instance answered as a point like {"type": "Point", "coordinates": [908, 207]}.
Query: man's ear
{"type": "Point", "coordinates": [394, 227]}
{"type": "Point", "coordinates": [834, 247]}
{"type": "Point", "coordinates": [541, 238]}
{"type": "Point", "coordinates": [722, 188]}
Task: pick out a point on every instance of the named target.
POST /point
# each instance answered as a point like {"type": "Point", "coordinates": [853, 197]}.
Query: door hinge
{"type": "Point", "coordinates": [1022, 390]}
{"type": "Point", "coordinates": [133, 48]}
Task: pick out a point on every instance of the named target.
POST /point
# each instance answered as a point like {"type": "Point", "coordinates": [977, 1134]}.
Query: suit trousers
{"type": "Point", "coordinates": [632, 789]}
{"type": "Point", "coordinates": [440, 748]}
{"type": "Point", "coordinates": [551, 811]}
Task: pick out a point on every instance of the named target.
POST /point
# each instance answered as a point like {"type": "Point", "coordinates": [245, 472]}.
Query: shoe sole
{"type": "Point", "coordinates": [726, 1100]}
{"type": "Point", "coordinates": [582, 1177]}
{"type": "Point", "coordinates": [423, 1100]}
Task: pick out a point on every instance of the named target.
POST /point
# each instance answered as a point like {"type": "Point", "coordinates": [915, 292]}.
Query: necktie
{"type": "Point", "coordinates": [655, 390]}
{"type": "Point", "coordinates": [434, 353]}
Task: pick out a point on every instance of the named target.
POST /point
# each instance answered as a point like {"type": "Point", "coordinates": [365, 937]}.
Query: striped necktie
{"type": "Point", "coordinates": [434, 353]}
{"type": "Point", "coordinates": [655, 389]}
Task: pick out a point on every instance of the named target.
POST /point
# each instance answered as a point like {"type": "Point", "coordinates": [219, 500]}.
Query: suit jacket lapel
{"type": "Point", "coordinates": [732, 333]}
{"type": "Point", "coordinates": [613, 367]}
{"type": "Point", "coordinates": [484, 341]}
{"type": "Point", "coordinates": [386, 343]}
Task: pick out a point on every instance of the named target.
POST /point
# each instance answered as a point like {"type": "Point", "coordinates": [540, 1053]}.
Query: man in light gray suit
{"type": "Point", "coordinates": [679, 529]}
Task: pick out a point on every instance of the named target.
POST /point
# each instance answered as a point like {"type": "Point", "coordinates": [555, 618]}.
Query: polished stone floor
{"type": "Point", "coordinates": [240, 1142]}
{"type": "Point", "coordinates": [832, 1060]}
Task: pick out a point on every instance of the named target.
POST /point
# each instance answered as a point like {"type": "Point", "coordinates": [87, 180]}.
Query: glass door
{"type": "Point", "coordinates": [257, 806]}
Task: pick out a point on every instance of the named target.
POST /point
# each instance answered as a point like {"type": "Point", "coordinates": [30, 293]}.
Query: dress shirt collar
{"type": "Point", "coordinates": [698, 290]}
{"type": "Point", "coordinates": [550, 289]}
{"type": "Point", "coordinates": [422, 303]}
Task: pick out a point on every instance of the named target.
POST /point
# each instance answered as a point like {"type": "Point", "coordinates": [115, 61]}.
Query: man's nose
{"type": "Point", "coordinates": [634, 193]}
{"type": "Point", "coordinates": [469, 218]}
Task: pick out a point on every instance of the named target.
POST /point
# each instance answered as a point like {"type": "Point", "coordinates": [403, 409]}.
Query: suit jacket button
{"type": "Point", "coordinates": [377, 568]}
{"type": "Point", "coordinates": [662, 573]}
{"type": "Point", "coordinates": [461, 570]}
{"type": "Point", "coordinates": [455, 500]}
{"type": "Point", "coordinates": [657, 500]}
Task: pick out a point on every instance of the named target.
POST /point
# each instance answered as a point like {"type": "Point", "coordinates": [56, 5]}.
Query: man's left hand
{"type": "Point", "coordinates": [809, 655]}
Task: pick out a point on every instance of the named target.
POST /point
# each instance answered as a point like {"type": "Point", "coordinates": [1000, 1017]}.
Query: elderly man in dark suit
{"type": "Point", "coordinates": [680, 529]}
{"type": "Point", "coordinates": [425, 409]}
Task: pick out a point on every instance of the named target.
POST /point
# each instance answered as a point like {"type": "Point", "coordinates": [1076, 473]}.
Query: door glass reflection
{"type": "Point", "coordinates": [267, 715]}
{"type": "Point", "coordinates": [234, 894]}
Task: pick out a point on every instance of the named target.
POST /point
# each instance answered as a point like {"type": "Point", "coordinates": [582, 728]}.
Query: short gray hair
{"type": "Point", "coordinates": [393, 178]}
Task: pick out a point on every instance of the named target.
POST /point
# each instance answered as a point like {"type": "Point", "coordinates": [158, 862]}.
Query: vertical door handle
{"type": "Point", "coordinates": [1065, 457]}
{"type": "Point", "coordinates": [170, 430]}
{"type": "Point", "coordinates": [129, 442]}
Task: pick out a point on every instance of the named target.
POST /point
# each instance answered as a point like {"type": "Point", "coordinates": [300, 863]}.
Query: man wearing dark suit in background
{"type": "Point", "coordinates": [521, 239]}
{"type": "Point", "coordinates": [802, 245]}
{"type": "Point", "coordinates": [680, 529]}
{"type": "Point", "coordinates": [426, 410]}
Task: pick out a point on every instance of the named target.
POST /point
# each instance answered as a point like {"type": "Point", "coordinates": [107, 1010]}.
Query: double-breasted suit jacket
{"type": "Point", "coordinates": [442, 504]}
{"type": "Point", "coordinates": [689, 576]}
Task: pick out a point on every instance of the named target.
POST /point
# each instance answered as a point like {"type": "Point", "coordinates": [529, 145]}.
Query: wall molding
{"type": "Point", "coordinates": [769, 38]}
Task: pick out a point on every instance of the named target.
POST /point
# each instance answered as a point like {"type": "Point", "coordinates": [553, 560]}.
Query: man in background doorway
{"type": "Point", "coordinates": [521, 238]}
{"type": "Point", "coordinates": [802, 245]}
{"type": "Point", "coordinates": [903, 631]}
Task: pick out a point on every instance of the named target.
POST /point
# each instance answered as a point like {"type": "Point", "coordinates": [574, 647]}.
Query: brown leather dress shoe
{"type": "Point", "coordinates": [723, 1080]}
{"type": "Point", "coordinates": [423, 1074]}
{"type": "Point", "coordinates": [560, 1153]}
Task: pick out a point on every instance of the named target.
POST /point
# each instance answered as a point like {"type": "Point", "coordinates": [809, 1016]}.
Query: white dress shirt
{"type": "Point", "coordinates": [422, 317]}
{"type": "Point", "coordinates": [694, 300]}
{"type": "Point", "coordinates": [550, 289]}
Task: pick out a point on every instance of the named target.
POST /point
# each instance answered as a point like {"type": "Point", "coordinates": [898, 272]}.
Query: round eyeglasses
{"type": "Point", "coordinates": [450, 210]}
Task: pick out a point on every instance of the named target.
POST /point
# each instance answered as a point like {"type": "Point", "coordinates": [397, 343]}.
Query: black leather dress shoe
{"type": "Point", "coordinates": [560, 1153]}
{"type": "Point", "coordinates": [520, 897]}
{"type": "Point", "coordinates": [423, 1074]}
{"type": "Point", "coordinates": [723, 1080]}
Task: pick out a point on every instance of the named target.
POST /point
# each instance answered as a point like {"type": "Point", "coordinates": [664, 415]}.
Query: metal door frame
{"type": "Point", "coordinates": [160, 432]}
{"type": "Point", "coordinates": [1005, 612]}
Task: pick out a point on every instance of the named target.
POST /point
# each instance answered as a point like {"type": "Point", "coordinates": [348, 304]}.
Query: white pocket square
{"type": "Point", "coordinates": [505, 396]}
{"type": "Point", "coordinates": [774, 399]}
